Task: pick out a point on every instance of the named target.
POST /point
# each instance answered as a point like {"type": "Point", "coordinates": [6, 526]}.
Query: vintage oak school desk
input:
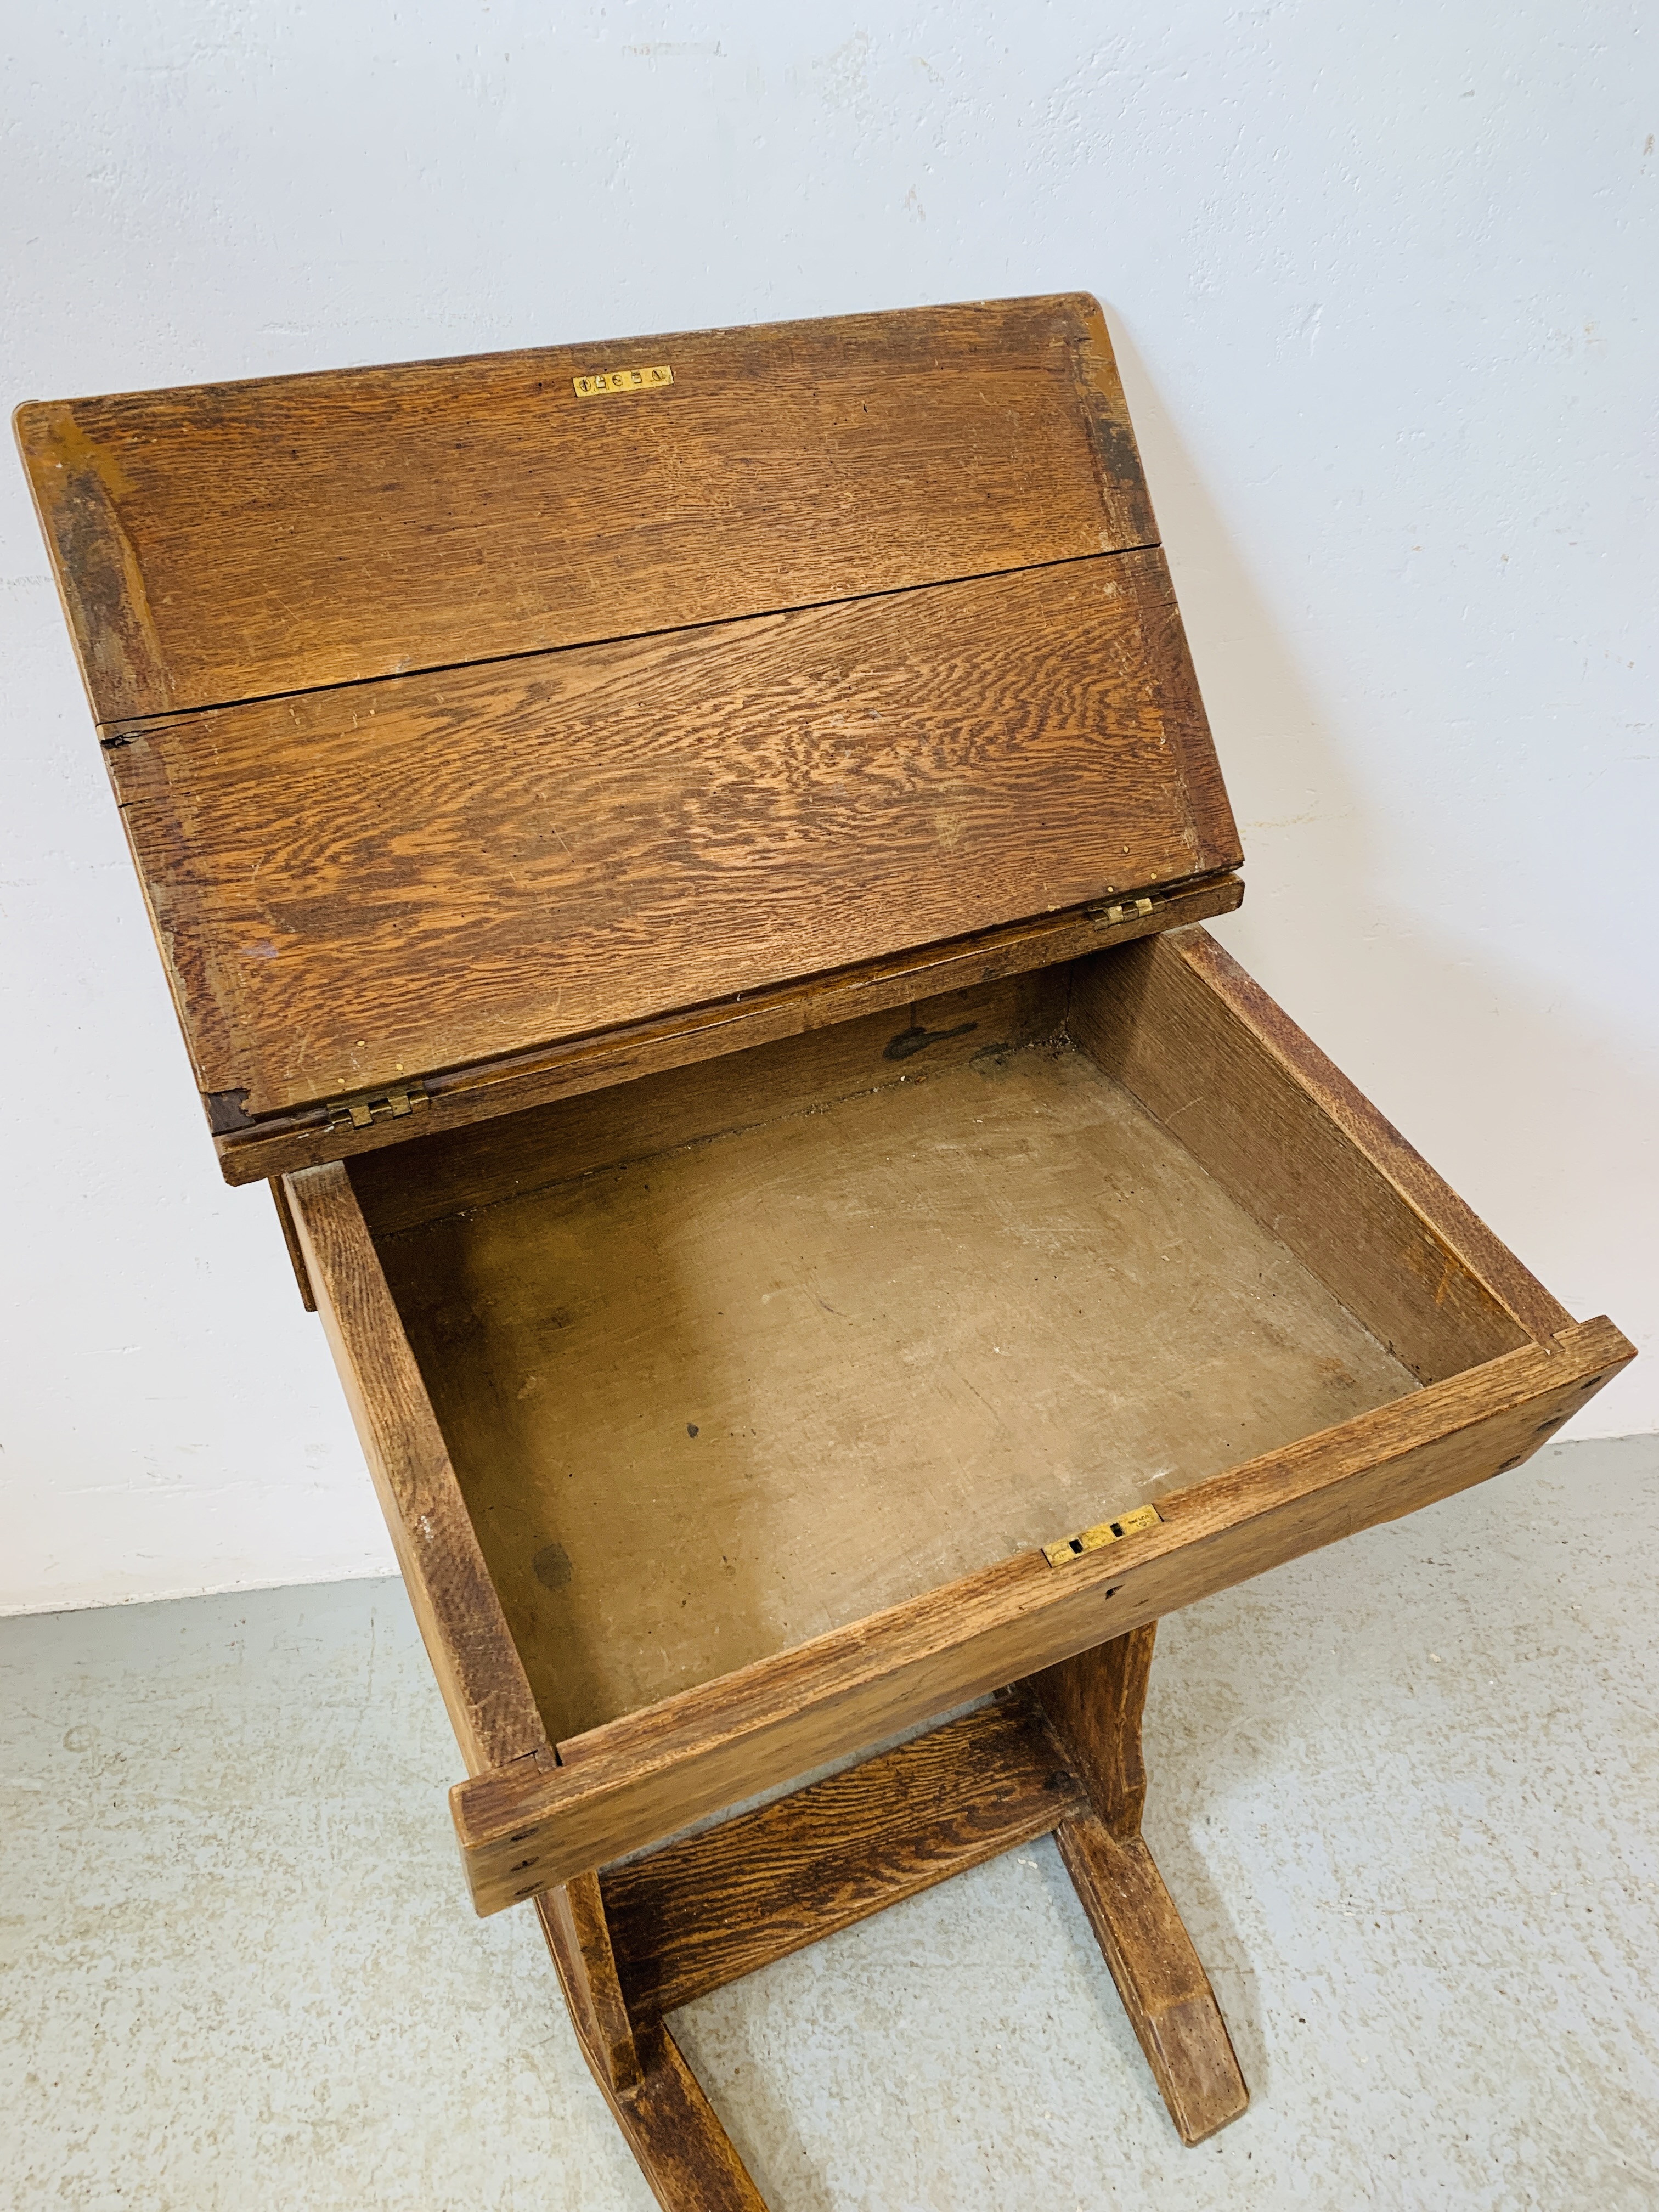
{"type": "Point", "coordinates": [683, 863]}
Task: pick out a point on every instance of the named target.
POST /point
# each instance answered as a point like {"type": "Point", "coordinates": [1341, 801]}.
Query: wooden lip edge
{"type": "Point", "coordinates": [496, 1814]}
{"type": "Point", "coordinates": [1186, 726]}
{"type": "Point", "coordinates": [21, 425]}
{"type": "Point", "coordinates": [484, 1090]}
{"type": "Point", "coordinates": [1102, 379]}
{"type": "Point", "coordinates": [458, 1611]}
{"type": "Point", "coordinates": [291, 1239]}
{"type": "Point", "coordinates": [25, 410]}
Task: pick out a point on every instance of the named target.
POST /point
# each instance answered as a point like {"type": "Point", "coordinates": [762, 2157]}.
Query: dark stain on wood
{"type": "Point", "coordinates": [908, 1042]}
{"type": "Point", "coordinates": [551, 1567]}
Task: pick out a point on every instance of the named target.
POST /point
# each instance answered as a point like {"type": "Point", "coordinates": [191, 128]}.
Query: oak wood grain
{"type": "Point", "coordinates": [229, 541]}
{"type": "Point", "coordinates": [494, 1089]}
{"type": "Point", "coordinates": [1182, 1025]}
{"type": "Point", "coordinates": [1163, 1986]}
{"type": "Point", "coordinates": [723, 1903]}
{"type": "Point", "coordinates": [575, 1912]}
{"type": "Point", "coordinates": [357, 886]}
{"type": "Point", "coordinates": [686, 2156]}
{"type": "Point", "coordinates": [1094, 1702]}
{"type": "Point", "coordinates": [512, 1156]}
{"type": "Point", "coordinates": [625, 1785]}
{"type": "Point", "coordinates": [483, 1684]}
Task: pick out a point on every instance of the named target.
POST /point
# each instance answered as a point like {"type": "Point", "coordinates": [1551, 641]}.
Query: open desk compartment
{"type": "Point", "coordinates": [769, 1387]}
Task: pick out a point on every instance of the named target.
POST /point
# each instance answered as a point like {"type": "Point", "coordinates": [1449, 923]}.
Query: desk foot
{"type": "Point", "coordinates": [1164, 1987]}
{"type": "Point", "coordinates": [1094, 1704]}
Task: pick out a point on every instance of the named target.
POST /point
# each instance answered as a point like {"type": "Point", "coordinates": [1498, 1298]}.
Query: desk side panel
{"type": "Point", "coordinates": [1182, 1025]}
{"type": "Point", "coordinates": [483, 1684]}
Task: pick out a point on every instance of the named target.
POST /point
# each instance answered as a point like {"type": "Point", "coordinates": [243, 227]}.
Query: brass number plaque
{"type": "Point", "coordinates": [622, 379]}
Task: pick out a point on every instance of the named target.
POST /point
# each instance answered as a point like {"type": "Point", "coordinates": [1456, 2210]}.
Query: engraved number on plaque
{"type": "Point", "coordinates": [622, 379]}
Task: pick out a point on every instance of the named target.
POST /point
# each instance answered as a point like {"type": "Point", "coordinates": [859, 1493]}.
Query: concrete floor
{"type": "Point", "coordinates": [1406, 1792]}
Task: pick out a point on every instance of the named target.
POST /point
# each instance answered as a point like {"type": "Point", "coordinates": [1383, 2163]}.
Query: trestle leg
{"type": "Point", "coordinates": [1094, 1704]}
{"type": "Point", "coordinates": [1059, 1754]}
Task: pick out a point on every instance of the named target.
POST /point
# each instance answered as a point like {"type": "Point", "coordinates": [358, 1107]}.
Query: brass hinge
{"type": "Point", "coordinates": [1126, 910]}
{"type": "Point", "coordinates": [390, 1104]}
{"type": "Point", "coordinates": [1103, 1532]}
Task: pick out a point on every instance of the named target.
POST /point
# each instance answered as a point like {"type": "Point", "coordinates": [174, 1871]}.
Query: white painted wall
{"type": "Point", "coordinates": [1382, 281]}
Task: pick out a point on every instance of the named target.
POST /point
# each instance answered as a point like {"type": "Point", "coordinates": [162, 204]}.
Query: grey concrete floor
{"type": "Point", "coordinates": [1406, 1792]}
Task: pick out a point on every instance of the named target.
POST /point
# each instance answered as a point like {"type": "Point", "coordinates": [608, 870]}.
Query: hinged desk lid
{"type": "Point", "coordinates": [458, 708]}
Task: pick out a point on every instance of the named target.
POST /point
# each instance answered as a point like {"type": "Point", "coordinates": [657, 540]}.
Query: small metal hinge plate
{"type": "Point", "coordinates": [390, 1104]}
{"type": "Point", "coordinates": [1102, 1533]}
{"type": "Point", "coordinates": [1124, 910]}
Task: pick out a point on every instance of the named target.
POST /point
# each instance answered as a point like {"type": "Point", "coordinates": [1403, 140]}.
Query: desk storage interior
{"type": "Point", "coordinates": [684, 864]}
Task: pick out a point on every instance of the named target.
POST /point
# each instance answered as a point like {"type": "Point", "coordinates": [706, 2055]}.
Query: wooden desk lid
{"type": "Point", "coordinates": [462, 707]}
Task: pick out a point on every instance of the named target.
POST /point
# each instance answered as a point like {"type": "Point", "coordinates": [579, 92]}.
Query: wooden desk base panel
{"type": "Point", "coordinates": [1060, 1754]}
